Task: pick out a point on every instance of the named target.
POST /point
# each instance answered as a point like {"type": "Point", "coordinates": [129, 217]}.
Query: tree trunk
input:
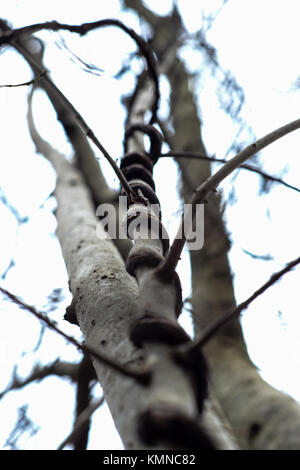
{"type": "Point", "coordinates": [109, 304]}
{"type": "Point", "coordinates": [260, 416]}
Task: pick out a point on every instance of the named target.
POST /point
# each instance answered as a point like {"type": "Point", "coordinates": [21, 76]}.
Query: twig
{"type": "Point", "coordinates": [77, 116]}
{"type": "Point", "coordinates": [81, 421]}
{"type": "Point", "coordinates": [260, 257]}
{"type": "Point", "coordinates": [20, 220]}
{"type": "Point", "coordinates": [39, 372]}
{"type": "Point", "coordinates": [169, 265]}
{"type": "Point", "coordinates": [211, 331]}
{"type": "Point", "coordinates": [198, 156]}
{"type": "Point", "coordinates": [142, 377]}
{"type": "Point", "coordinates": [89, 133]}
{"type": "Point", "coordinates": [145, 49]}
{"type": "Point", "coordinates": [35, 79]}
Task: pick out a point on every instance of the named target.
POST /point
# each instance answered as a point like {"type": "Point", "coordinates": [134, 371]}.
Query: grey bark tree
{"type": "Point", "coordinates": [127, 310]}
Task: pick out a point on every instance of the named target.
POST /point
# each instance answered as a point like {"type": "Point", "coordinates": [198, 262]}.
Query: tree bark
{"type": "Point", "coordinates": [260, 416]}
{"type": "Point", "coordinates": [107, 303]}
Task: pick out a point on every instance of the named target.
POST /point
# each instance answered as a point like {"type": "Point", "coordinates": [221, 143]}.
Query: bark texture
{"type": "Point", "coordinates": [104, 294]}
{"type": "Point", "coordinates": [107, 304]}
{"type": "Point", "coordinates": [261, 417]}
{"type": "Point", "coordinates": [175, 411]}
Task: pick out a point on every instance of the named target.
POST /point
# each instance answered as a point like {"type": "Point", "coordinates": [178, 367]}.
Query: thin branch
{"type": "Point", "coordinates": [39, 372]}
{"type": "Point", "coordinates": [35, 79]}
{"type": "Point", "coordinates": [210, 184]}
{"type": "Point", "coordinates": [145, 49]}
{"type": "Point", "coordinates": [23, 425]}
{"type": "Point", "coordinates": [81, 421]}
{"type": "Point", "coordinates": [10, 265]}
{"type": "Point", "coordinates": [198, 156]}
{"type": "Point", "coordinates": [85, 66]}
{"type": "Point", "coordinates": [260, 257]}
{"type": "Point", "coordinates": [143, 377]}
{"type": "Point", "coordinates": [20, 220]}
{"type": "Point", "coordinates": [89, 133]}
{"type": "Point", "coordinates": [77, 116]}
{"type": "Point", "coordinates": [211, 331]}
{"type": "Point", "coordinates": [84, 154]}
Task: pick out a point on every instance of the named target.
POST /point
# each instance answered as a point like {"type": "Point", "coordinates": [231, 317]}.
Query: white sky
{"type": "Point", "coordinates": [257, 41]}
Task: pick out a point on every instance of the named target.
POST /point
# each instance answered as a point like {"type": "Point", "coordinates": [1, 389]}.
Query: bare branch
{"type": "Point", "coordinates": [145, 49]}
{"type": "Point", "coordinates": [39, 372]}
{"type": "Point", "coordinates": [85, 156]}
{"type": "Point", "coordinates": [198, 156]}
{"type": "Point", "coordinates": [23, 425]}
{"type": "Point", "coordinates": [81, 421]}
{"type": "Point", "coordinates": [169, 265]}
{"type": "Point", "coordinates": [19, 218]}
{"type": "Point", "coordinates": [77, 116]}
{"type": "Point", "coordinates": [85, 66]}
{"type": "Point", "coordinates": [89, 133]}
{"type": "Point", "coordinates": [35, 79]}
{"type": "Point", "coordinates": [143, 377]}
{"type": "Point", "coordinates": [211, 331]}
{"type": "Point", "coordinates": [266, 257]}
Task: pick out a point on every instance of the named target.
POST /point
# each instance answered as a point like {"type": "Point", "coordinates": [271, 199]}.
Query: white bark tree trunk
{"type": "Point", "coordinates": [105, 299]}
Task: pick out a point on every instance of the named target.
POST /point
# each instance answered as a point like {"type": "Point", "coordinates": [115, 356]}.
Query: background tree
{"type": "Point", "coordinates": [250, 409]}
